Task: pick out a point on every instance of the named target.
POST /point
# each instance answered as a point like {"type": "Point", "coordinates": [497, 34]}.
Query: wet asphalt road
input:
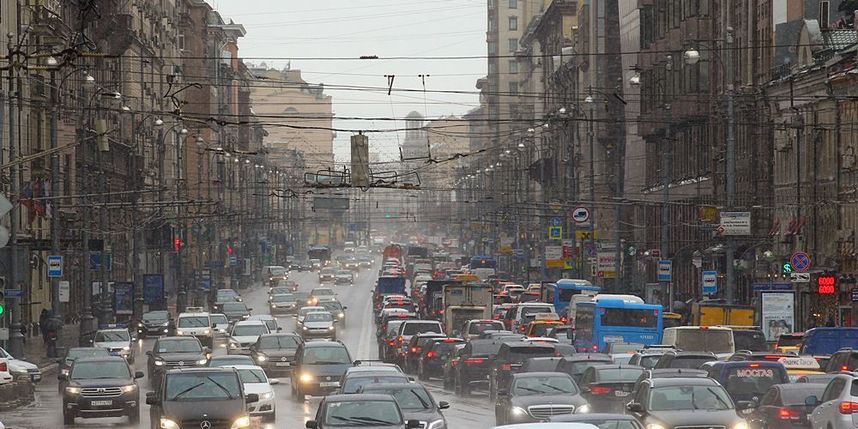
{"type": "Point", "coordinates": [359, 336]}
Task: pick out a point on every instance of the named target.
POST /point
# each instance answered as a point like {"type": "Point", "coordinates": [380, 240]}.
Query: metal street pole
{"type": "Point", "coordinates": [666, 153]}
{"type": "Point", "coordinates": [730, 287]}
{"type": "Point", "coordinates": [55, 189]}
{"type": "Point", "coordinates": [86, 321]}
{"type": "Point", "coordinates": [16, 344]}
{"type": "Point", "coordinates": [590, 141]}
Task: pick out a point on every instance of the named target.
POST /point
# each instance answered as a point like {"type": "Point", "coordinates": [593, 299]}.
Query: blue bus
{"type": "Point", "coordinates": [616, 320]}
{"type": "Point", "coordinates": [560, 293]}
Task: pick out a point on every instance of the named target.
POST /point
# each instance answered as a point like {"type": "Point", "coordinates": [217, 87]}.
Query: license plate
{"type": "Point", "coordinates": [329, 384]}
{"type": "Point", "coordinates": [620, 394]}
{"type": "Point", "coordinates": [101, 403]}
{"type": "Point", "coordinates": [282, 364]}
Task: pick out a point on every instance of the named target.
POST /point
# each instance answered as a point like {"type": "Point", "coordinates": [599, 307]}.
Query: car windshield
{"type": "Point", "coordinates": [109, 336]}
{"type": "Point", "coordinates": [190, 345]}
{"type": "Point", "coordinates": [618, 374]}
{"type": "Point", "coordinates": [752, 379]}
{"type": "Point", "coordinates": [249, 330]}
{"type": "Point", "coordinates": [252, 376]}
{"type": "Point", "coordinates": [155, 316]}
{"type": "Point", "coordinates": [318, 317]}
{"type": "Point", "coordinates": [326, 355]}
{"type": "Point", "coordinates": [283, 297]}
{"type": "Point", "coordinates": [280, 291]}
{"type": "Point", "coordinates": [362, 413]}
{"type": "Point", "coordinates": [327, 271]}
{"type": "Point", "coordinates": [344, 273]}
{"type": "Point", "coordinates": [323, 292]}
{"type": "Point", "coordinates": [412, 328]}
{"type": "Point", "coordinates": [749, 339]}
{"type": "Point", "coordinates": [226, 292]}
{"type": "Point", "coordinates": [578, 368]}
{"type": "Point", "coordinates": [484, 348]}
{"type": "Point", "coordinates": [218, 319]}
{"type": "Point", "coordinates": [307, 310]}
{"type": "Point", "coordinates": [333, 306]}
{"type": "Point", "coordinates": [202, 386]}
{"type": "Point", "coordinates": [532, 311]}
{"type": "Point", "coordinates": [548, 385]}
{"type": "Point", "coordinates": [479, 327]}
{"type": "Point", "coordinates": [789, 340]}
{"type": "Point", "coordinates": [101, 369]}
{"type": "Point", "coordinates": [277, 271]}
{"type": "Point", "coordinates": [193, 322]}
{"type": "Point", "coordinates": [648, 361]}
{"type": "Point", "coordinates": [412, 398]}
{"type": "Point", "coordinates": [235, 306]}
{"type": "Point", "coordinates": [278, 342]}
{"type": "Point", "coordinates": [690, 362]}
{"type": "Point", "coordinates": [85, 353]}
{"type": "Point", "coordinates": [675, 398]}
{"type": "Point", "coordinates": [230, 360]}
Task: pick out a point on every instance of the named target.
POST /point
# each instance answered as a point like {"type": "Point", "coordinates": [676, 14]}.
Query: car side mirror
{"type": "Point", "coordinates": [148, 352]}
{"type": "Point", "coordinates": [214, 325]}
{"type": "Point", "coordinates": [345, 308]}
{"type": "Point", "coordinates": [635, 407]}
{"type": "Point", "coordinates": [745, 405]}
{"type": "Point", "coordinates": [311, 424]}
{"type": "Point", "coordinates": [151, 399]}
{"type": "Point", "coordinates": [138, 374]}
{"type": "Point", "coordinates": [273, 381]}
{"type": "Point", "coordinates": [503, 392]}
{"type": "Point", "coordinates": [251, 398]}
{"type": "Point", "coordinates": [62, 377]}
{"type": "Point", "coordinates": [249, 310]}
{"type": "Point", "coordinates": [443, 405]}
{"type": "Point", "coordinates": [811, 401]}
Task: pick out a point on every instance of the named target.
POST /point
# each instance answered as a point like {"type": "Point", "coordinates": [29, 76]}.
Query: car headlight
{"type": "Point", "coordinates": [266, 396]}
{"type": "Point", "coordinates": [740, 425]}
{"type": "Point", "coordinates": [518, 411]}
{"type": "Point", "coordinates": [437, 424]}
{"type": "Point", "coordinates": [584, 409]}
{"type": "Point", "coordinates": [202, 361]}
{"type": "Point", "coordinates": [168, 424]}
{"type": "Point", "coordinates": [261, 357]}
{"type": "Point", "coordinates": [129, 388]}
{"type": "Point", "coordinates": [655, 426]}
{"type": "Point", "coordinates": [73, 390]}
{"type": "Point", "coordinates": [241, 423]}
{"type": "Point", "coordinates": [305, 328]}
{"type": "Point", "coordinates": [330, 328]}
{"type": "Point", "coordinates": [234, 345]}
{"type": "Point", "coordinates": [179, 333]}
{"type": "Point", "coordinates": [307, 378]}
{"type": "Point", "coordinates": [341, 315]}
{"type": "Point", "coordinates": [64, 372]}
{"type": "Point", "coordinates": [159, 363]}
{"type": "Point", "coordinates": [206, 331]}
{"type": "Point", "coordinates": [126, 348]}
{"type": "Point", "coordinates": [166, 323]}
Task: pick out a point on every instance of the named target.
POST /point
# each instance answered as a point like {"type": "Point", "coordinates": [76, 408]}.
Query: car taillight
{"type": "Point", "coordinates": [601, 390]}
{"type": "Point", "coordinates": [439, 312]}
{"type": "Point", "coordinates": [595, 347]}
{"type": "Point", "coordinates": [415, 349]}
{"type": "Point", "coordinates": [391, 343]}
{"type": "Point", "coordinates": [844, 368]}
{"type": "Point", "coordinates": [430, 355]}
{"type": "Point", "coordinates": [506, 367]}
{"type": "Point", "coordinates": [847, 407]}
{"type": "Point", "coordinates": [3, 367]}
{"type": "Point", "coordinates": [399, 339]}
{"type": "Point", "coordinates": [454, 362]}
{"type": "Point", "coordinates": [472, 361]}
{"type": "Point", "coordinates": [785, 413]}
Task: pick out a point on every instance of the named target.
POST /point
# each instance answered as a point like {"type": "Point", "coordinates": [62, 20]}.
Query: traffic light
{"type": "Point", "coordinates": [177, 244]}
{"type": "Point", "coordinates": [229, 250]}
{"type": "Point", "coordinates": [786, 268]}
{"type": "Point", "coordinates": [2, 302]}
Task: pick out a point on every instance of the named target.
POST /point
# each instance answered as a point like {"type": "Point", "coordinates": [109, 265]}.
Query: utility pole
{"type": "Point", "coordinates": [730, 164]}
{"type": "Point", "coordinates": [591, 143]}
{"type": "Point", "coordinates": [665, 200]}
{"type": "Point", "coordinates": [16, 344]}
{"type": "Point", "coordinates": [55, 189]}
{"type": "Point", "coordinates": [86, 322]}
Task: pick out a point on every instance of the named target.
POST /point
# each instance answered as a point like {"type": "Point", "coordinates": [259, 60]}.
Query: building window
{"type": "Point", "coordinates": [491, 24]}
{"type": "Point", "coordinates": [513, 67]}
{"type": "Point", "coordinates": [513, 23]}
{"type": "Point", "coordinates": [180, 42]}
{"type": "Point", "coordinates": [493, 48]}
{"type": "Point", "coordinates": [824, 13]}
{"type": "Point", "coordinates": [513, 45]}
{"type": "Point", "coordinates": [513, 88]}
{"type": "Point", "coordinates": [513, 4]}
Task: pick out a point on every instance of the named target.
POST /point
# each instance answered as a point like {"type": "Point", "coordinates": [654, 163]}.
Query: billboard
{"type": "Point", "coordinates": [778, 314]}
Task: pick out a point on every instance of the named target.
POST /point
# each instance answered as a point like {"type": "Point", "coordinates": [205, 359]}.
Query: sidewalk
{"type": "Point", "coordinates": [36, 352]}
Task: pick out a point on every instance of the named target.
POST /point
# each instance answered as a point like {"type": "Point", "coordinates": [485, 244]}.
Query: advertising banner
{"type": "Point", "coordinates": [778, 314]}
{"type": "Point", "coordinates": [123, 298]}
{"type": "Point", "coordinates": [153, 288]}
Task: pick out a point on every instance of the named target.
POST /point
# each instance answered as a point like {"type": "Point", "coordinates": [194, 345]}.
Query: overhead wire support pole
{"type": "Point", "coordinates": [16, 344]}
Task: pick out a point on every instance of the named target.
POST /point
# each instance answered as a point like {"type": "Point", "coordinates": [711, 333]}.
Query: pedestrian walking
{"type": "Point", "coordinates": [53, 326]}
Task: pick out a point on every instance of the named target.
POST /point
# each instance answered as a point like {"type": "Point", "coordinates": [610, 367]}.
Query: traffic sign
{"type": "Point", "coordinates": [55, 266]}
{"type": "Point", "coordinates": [800, 262]}
{"type": "Point", "coordinates": [665, 271]}
{"type": "Point", "coordinates": [14, 293]}
{"type": "Point", "coordinates": [581, 215]}
{"type": "Point", "coordinates": [800, 277]}
{"type": "Point", "coordinates": [710, 282]}
{"type": "Point", "coordinates": [555, 233]}
{"type": "Point", "coordinates": [65, 291]}
{"type": "Point", "coordinates": [556, 221]}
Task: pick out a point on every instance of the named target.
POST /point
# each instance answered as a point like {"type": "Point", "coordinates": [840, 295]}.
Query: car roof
{"type": "Point", "coordinates": [249, 323]}
{"type": "Point", "coordinates": [279, 334]}
{"type": "Point", "coordinates": [113, 330]}
{"type": "Point", "coordinates": [591, 417]}
{"type": "Point", "coordinates": [394, 386]}
{"type": "Point", "coordinates": [202, 370]}
{"type": "Point", "coordinates": [682, 381]}
{"type": "Point", "coordinates": [100, 359]}
{"type": "Point", "coordinates": [358, 397]}
{"type": "Point", "coordinates": [194, 314]}
{"type": "Point", "coordinates": [577, 357]}
{"type": "Point", "coordinates": [539, 374]}
{"type": "Point", "coordinates": [549, 425]}
{"type": "Point", "coordinates": [324, 344]}
{"type": "Point", "coordinates": [261, 317]}
{"type": "Point", "coordinates": [525, 345]}
{"type": "Point", "coordinates": [244, 367]}
{"type": "Point", "coordinates": [744, 363]}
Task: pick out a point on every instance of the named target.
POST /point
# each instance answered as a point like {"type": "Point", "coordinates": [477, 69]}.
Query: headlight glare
{"type": "Point", "coordinates": [241, 423]}
{"type": "Point", "coordinates": [261, 358]}
{"type": "Point", "coordinates": [307, 378]}
{"type": "Point", "coordinates": [168, 424]}
{"type": "Point", "coordinates": [740, 425]}
{"type": "Point", "coordinates": [518, 411]}
{"type": "Point", "coordinates": [306, 328]}
{"type": "Point", "coordinates": [72, 390]}
{"type": "Point", "coordinates": [654, 426]}
{"type": "Point", "coordinates": [330, 328]}
{"type": "Point", "coordinates": [159, 363]}
{"type": "Point", "coordinates": [126, 348]}
{"type": "Point", "coordinates": [584, 409]}
{"type": "Point", "coordinates": [202, 361]}
{"type": "Point", "coordinates": [129, 388]}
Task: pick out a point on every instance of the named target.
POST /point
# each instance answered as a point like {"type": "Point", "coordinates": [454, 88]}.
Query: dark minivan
{"type": "Point", "coordinates": [188, 398]}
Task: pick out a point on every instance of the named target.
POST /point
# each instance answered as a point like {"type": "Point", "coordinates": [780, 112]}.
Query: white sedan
{"type": "Point", "coordinates": [255, 381]}
{"type": "Point", "coordinates": [21, 366]}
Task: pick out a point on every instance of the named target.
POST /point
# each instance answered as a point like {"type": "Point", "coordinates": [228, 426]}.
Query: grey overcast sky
{"type": "Point", "coordinates": [285, 29]}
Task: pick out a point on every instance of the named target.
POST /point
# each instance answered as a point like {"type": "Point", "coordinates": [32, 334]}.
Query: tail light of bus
{"type": "Point", "coordinates": [848, 407]}
{"type": "Point", "coordinates": [601, 390]}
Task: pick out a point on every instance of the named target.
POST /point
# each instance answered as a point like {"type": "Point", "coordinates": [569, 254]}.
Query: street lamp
{"type": "Point", "coordinates": [691, 56]}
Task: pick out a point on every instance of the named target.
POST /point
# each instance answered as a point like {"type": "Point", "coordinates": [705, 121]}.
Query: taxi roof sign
{"type": "Point", "coordinates": [799, 362]}
{"type": "Point", "coordinates": [195, 310]}
{"type": "Point", "coordinates": [547, 316]}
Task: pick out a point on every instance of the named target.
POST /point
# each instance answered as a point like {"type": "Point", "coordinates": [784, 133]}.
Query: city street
{"type": "Point", "coordinates": [359, 336]}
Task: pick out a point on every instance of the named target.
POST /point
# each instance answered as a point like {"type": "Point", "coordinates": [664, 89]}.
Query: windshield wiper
{"type": "Point", "coordinates": [180, 394]}
{"type": "Point", "coordinates": [225, 390]}
{"type": "Point", "coordinates": [422, 402]}
{"type": "Point", "coordinates": [373, 420]}
{"type": "Point", "coordinates": [718, 398]}
{"type": "Point", "coordinates": [555, 388]}
{"type": "Point", "coordinates": [529, 389]}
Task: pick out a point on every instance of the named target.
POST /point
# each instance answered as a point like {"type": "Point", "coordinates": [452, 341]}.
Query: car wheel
{"type": "Point", "coordinates": [68, 418]}
{"type": "Point", "coordinates": [134, 416]}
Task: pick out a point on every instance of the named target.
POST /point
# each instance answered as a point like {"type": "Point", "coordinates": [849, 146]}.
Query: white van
{"type": "Point", "coordinates": [718, 340]}
{"type": "Point", "coordinates": [197, 325]}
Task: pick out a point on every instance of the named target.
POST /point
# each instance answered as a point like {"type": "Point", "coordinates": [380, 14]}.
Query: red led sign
{"type": "Point", "coordinates": [825, 285]}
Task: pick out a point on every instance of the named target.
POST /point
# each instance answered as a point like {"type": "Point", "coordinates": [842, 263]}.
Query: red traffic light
{"type": "Point", "coordinates": [229, 250]}
{"type": "Point", "coordinates": [177, 244]}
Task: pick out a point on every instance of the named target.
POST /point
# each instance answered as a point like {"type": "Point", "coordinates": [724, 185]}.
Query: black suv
{"type": "Point", "coordinates": [155, 323]}
{"type": "Point", "coordinates": [174, 352]}
{"type": "Point", "coordinates": [415, 350]}
{"type": "Point", "coordinates": [100, 387]}
{"type": "Point", "coordinates": [433, 355]}
{"type": "Point", "coordinates": [210, 398]}
{"type": "Point", "coordinates": [843, 360]}
{"type": "Point", "coordinates": [510, 357]}
{"type": "Point", "coordinates": [687, 360]}
{"type": "Point", "coordinates": [474, 364]}
{"type": "Point", "coordinates": [318, 367]}
{"type": "Point", "coordinates": [275, 353]}
{"type": "Point", "coordinates": [360, 411]}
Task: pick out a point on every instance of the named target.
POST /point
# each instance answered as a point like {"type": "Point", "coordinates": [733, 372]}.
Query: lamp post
{"type": "Point", "coordinates": [591, 103]}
